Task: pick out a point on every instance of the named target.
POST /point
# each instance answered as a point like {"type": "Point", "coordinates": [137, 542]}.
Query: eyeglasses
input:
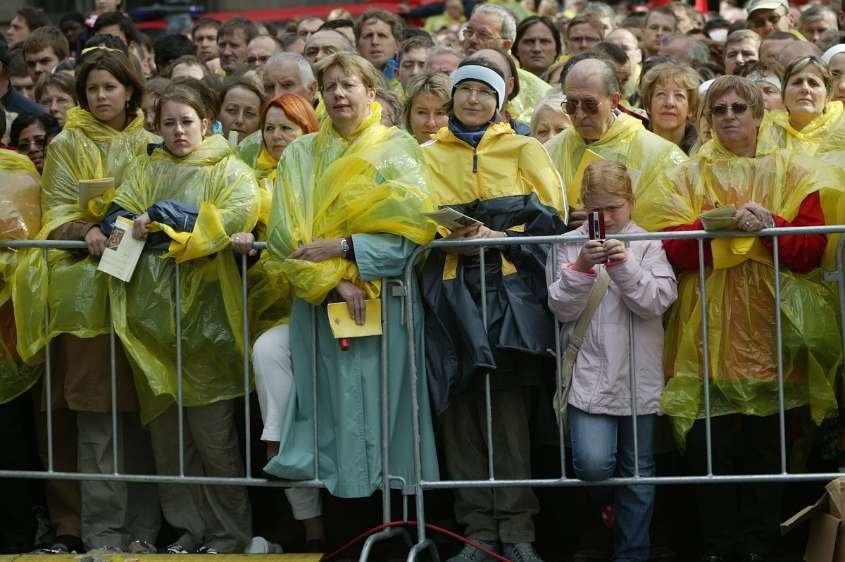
{"type": "Point", "coordinates": [481, 93]}
{"type": "Point", "coordinates": [736, 108]}
{"type": "Point", "coordinates": [588, 106]}
{"type": "Point", "coordinates": [483, 36]}
{"type": "Point", "coordinates": [37, 142]}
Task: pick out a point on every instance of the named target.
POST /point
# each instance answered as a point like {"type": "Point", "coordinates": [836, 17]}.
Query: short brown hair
{"type": "Point", "coordinates": [189, 91]}
{"type": "Point", "coordinates": [589, 19]}
{"type": "Point", "coordinates": [248, 27]}
{"type": "Point", "coordinates": [800, 64]}
{"type": "Point", "coordinates": [607, 176]}
{"type": "Point", "coordinates": [61, 80]}
{"type": "Point", "coordinates": [681, 74]}
{"type": "Point", "coordinates": [34, 17]}
{"type": "Point", "coordinates": [742, 87]}
{"type": "Point", "coordinates": [396, 25]}
{"type": "Point", "coordinates": [45, 37]}
{"type": "Point", "coordinates": [205, 22]}
{"type": "Point", "coordinates": [117, 64]}
{"type": "Point", "coordinates": [351, 64]}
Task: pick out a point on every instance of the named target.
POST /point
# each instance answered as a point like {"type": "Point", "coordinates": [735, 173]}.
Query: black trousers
{"type": "Point", "coordinates": [737, 518]}
{"type": "Point", "coordinates": [17, 522]}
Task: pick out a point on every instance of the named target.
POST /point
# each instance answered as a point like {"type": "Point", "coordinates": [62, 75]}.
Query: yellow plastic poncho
{"type": "Point", "coordinates": [215, 181]}
{"type": "Point", "coordinates": [824, 135]}
{"type": "Point", "coordinates": [325, 189]}
{"type": "Point", "coordinates": [645, 154]}
{"type": "Point", "coordinates": [20, 219]}
{"type": "Point", "coordinates": [250, 148]}
{"type": "Point", "coordinates": [269, 291]}
{"type": "Point", "coordinates": [740, 294]}
{"type": "Point", "coordinates": [532, 89]}
{"type": "Point", "coordinates": [77, 293]}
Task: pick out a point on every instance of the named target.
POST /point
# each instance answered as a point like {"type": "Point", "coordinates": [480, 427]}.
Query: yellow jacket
{"type": "Point", "coordinates": [645, 154]}
{"type": "Point", "coordinates": [504, 164]}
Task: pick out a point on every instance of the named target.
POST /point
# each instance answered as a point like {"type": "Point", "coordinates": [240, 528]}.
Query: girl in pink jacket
{"type": "Point", "coordinates": [642, 284]}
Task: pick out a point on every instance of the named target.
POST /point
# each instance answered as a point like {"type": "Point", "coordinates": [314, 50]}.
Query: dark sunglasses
{"type": "Point", "coordinates": [589, 106]}
{"type": "Point", "coordinates": [736, 107]}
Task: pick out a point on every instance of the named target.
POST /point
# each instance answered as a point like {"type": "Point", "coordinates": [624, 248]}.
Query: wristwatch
{"type": "Point", "coordinates": [344, 247]}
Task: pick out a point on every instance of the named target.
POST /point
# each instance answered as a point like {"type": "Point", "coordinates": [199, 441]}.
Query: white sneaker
{"type": "Point", "coordinates": [260, 545]}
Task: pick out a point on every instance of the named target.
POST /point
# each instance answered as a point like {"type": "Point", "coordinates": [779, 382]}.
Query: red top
{"type": "Point", "coordinates": [800, 253]}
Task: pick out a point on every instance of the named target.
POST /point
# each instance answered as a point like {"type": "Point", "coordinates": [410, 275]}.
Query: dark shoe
{"type": "Point", "coordinates": [317, 546]}
{"type": "Point", "coordinates": [472, 554]}
{"type": "Point", "coordinates": [175, 548]}
{"type": "Point", "coordinates": [753, 557]}
{"type": "Point", "coordinates": [207, 550]}
{"type": "Point", "coordinates": [521, 552]}
{"type": "Point", "coordinates": [140, 546]}
{"type": "Point", "coordinates": [713, 558]}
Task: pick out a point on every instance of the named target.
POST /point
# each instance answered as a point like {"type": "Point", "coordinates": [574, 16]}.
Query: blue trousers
{"type": "Point", "coordinates": [603, 447]}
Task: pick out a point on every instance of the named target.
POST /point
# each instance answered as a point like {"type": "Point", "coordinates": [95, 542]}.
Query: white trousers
{"type": "Point", "coordinates": [271, 361]}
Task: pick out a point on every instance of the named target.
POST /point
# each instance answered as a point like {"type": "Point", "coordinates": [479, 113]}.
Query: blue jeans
{"type": "Point", "coordinates": [596, 441]}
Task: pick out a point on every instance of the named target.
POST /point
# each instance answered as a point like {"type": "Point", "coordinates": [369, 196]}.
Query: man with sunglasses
{"type": "Point", "coordinates": [600, 131]}
{"type": "Point", "coordinates": [768, 16]}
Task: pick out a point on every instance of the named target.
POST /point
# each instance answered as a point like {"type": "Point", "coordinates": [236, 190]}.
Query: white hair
{"type": "Point", "coordinates": [508, 21]}
{"type": "Point", "coordinates": [553, 100]}
{"type": "Point", "coordinates": [305, 72]}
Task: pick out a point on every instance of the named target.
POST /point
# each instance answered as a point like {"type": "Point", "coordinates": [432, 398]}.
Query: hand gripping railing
{"type": "Point", "coordinates": [700, 236]}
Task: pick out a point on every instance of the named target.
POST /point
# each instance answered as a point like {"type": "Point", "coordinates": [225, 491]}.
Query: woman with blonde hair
{"type": "Point", "coordinates": [669, 94]}
{"type": "Point", "coordinates": [424, 112]}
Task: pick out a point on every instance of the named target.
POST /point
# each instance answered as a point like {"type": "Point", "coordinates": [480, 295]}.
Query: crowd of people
{"type": "Point", "coordinates": [330, 139]}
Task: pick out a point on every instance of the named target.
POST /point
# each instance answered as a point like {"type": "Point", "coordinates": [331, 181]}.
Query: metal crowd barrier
{"type": "Point", "coordinates": [425, 544]}
{"type": "Point", "coordinates": [396, 288]}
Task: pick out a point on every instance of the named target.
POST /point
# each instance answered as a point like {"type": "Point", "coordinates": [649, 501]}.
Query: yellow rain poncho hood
{"type": "Point", "coordinates": [329, 186]}
{"type": "Point", "coordinates": [822, 135]}
{"type": "Point", "coordinates": [740, 294]}
{"type": "Point", "coordinates": [20, 219]}
{"type": "Point", "coordinates": [213, 180]}
{"type": "Point", "coordinates": [532, 89]}
{"type": "Point", "coordinates": [77, 293]}
{"type": "Point", "coordinates": [645, 154]}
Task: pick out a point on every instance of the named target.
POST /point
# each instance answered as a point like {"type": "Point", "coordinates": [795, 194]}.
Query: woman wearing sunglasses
{"type": "Point", "coordinates": [507, 182]}
{"type": "Point", "coordinates": [813, 121]}
{"type": "Point", "coordinates": [775, 188]}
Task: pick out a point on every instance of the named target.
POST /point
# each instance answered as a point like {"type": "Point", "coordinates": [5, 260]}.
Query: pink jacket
{"type": "Point", "coordinates": [643, 284]}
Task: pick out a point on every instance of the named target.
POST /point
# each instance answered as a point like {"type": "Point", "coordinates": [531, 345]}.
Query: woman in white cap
{"type": "Point", "coordinates": [835, 59]}
{"type": "Point", "coordinates": [508, 183]}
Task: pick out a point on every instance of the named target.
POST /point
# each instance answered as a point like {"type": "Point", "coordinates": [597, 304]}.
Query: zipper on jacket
{"type": "Point", "coordinates": [474, 160]}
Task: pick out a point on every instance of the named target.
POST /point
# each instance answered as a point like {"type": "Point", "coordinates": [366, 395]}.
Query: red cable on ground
{"type": "Point", "coordinates": [446, 532]}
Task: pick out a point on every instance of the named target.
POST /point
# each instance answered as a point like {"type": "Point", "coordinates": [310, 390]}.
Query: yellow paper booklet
{"type": "Point", "coordinates": [343, 326]}
{"type": "Point", "coordinates": [122, 251]}
{"type": "Point", "coordinates": [90, 189]}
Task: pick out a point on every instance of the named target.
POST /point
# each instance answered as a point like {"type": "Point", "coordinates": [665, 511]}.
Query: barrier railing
{"type": "Point", "coordinates": [401, 288]}
{"type": "Point", "coordinates": [565, 480]}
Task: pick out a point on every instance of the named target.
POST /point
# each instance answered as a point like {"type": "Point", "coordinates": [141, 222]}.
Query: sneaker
{"type": "Point", "coordinates": [175, 548]}
{"type": "Point", "coordinates": [207, 550]}
{"type": "Point", "coordinates": [521, 552]}
{"type": "Point", "coordinates": [472, 554]}
{"type": "Point", "coordinates": [608, 516]}
{"type": "Point", "coordinates": [140, 546]}
{"type": "Point", "coordinates": [56, 548]}
{"type": "Point", "coordinates": [260, 545]}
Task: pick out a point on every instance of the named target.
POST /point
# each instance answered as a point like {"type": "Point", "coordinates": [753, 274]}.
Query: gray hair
{"type": "Point", "coordinates": [696, 51]}
{"type": "Point", "coordinates": [508, 21]}
{"type": "Point", "coordinates": [601, 9]}
{"type": "Point", "coordinates": [305, 72]}
{"type": "Point", "coordinates": [554, 100]}
{"type": "Point", "coordinates": [815, 12]}
{"type": "Point", "coordinates": [740, 35]}
{"type": "Point", "coordinates": [441, 50]}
